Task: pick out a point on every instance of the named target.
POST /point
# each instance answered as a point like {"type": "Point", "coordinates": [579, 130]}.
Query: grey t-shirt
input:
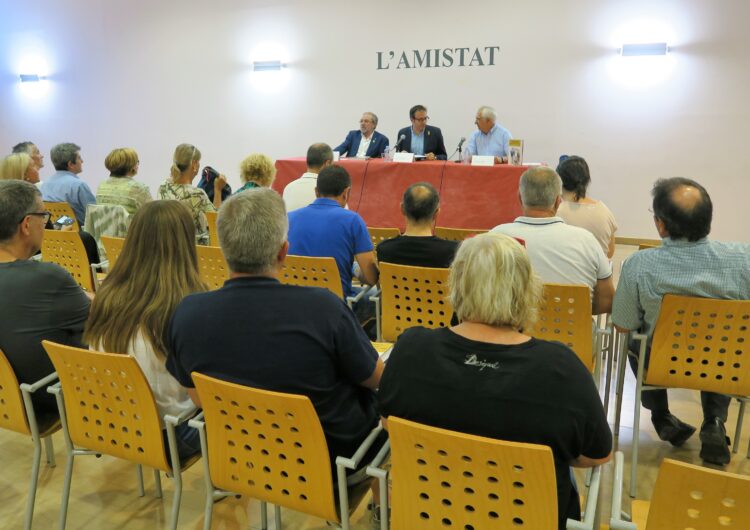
{"type": "Point", "coordinates": [38, 301]}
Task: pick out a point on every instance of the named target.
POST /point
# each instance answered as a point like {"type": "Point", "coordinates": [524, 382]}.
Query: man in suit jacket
{"type": "Point", "coordinates": [420, 138]}
{"type": "Point", "coordinates": [366, 142]}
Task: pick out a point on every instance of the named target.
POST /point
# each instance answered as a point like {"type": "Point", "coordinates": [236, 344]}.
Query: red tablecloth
{"type": "Point", "coordinates": [470, 196]}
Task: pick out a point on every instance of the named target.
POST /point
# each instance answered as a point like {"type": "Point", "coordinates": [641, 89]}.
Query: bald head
{"type": "Point", "coordinates": [539, 188]}
{"type": "Point", "coordinates": [420, 203]}
{"type": "Point", "coordinates": [684, 207]}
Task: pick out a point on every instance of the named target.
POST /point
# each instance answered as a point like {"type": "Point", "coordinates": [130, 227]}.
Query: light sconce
{"type": "Point", "coordinates": [268, 66]}
{"type": "Point", "coordinates": [644, 49]}
{"type": "Point", "coordinates": [31, 78]}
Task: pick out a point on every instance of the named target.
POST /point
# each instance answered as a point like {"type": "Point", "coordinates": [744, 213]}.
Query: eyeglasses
{"type": "Point", "coordinates": [426, 118]}
{"type": "Point", "coordinates": [45, 215]}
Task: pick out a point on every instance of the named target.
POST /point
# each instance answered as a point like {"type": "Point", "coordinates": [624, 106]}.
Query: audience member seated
{"type": "Point", "coordinates": [256, 171]}
{"type": "Point", "coordinates": [65, 185]}
{"type": "Point", "coordinates": [19, 166]}
{"type": "Point", "coordinates": [559, 253]}
{"type": "Point", "coordinates": [365, 141]}
{"type": "Point", "coordinates": [185, 166]}
{"type": "Point", "coordinates": [121, 188]}
{"type": "Point", "coordinates": [327, 228]}
{"type": "Point", "coordinates": [40, 300]}
{"type": "Point", "coordinates": [418, 247]}
{"type": "Point", "coordinates": [133, 306]}
{"type": "Point", "coordinates": [687, 264]}
{"type": "Point", "coordinates": [300, 340]}
{"type": "Point", "coordinates": [32, 150]}
{"type": "Point", "coordinates": [301, 192]}
{"type": "Point", "coordinates": [578, 210]}
{"type": "Point", "coordinates": [485, 377]}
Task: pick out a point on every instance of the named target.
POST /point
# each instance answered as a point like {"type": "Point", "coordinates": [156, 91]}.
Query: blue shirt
{"type": "Point", "coordinates": [494, 143]}
{"type": "Point", "coordinates": [323, 229]}
{"type": "Point", "coordinates": [417, 143]}
{"type": "Point", "coordinates": [65, 186]}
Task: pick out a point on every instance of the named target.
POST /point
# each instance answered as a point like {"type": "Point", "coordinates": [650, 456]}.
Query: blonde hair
{"type": "Point", "coordinates": [121, 162]}
{"type": "Point", "coordinates": [258, 168]}
{"type": "Point", "coordinates": [157, 268]}
{"type": "Point", "coordinates": [491, 281]}
{"type": "Point", "coordinates": [184, 155]}
{"type": "Point", "coordinates": [14, 167]}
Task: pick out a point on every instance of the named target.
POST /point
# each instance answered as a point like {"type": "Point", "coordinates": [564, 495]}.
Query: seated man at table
{"type": "Point", "coordinates": [418, 247]}
{"type": "Point", "coordinates": [560, 253]}
{"type": "Point", "coordinates": [686, 264]}
{"type": "Point", "coordinates": [301, 192]}
{"type": "Point", "coordinates": [258, 332]}
{"type": "Point", "coordinates": [490, 138]}
{"type": "Point", "coordinates": [421, 139]}
{"type": "Point", "coordinates": [364, 142]}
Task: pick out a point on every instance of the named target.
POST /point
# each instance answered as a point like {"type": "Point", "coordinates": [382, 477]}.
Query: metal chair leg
{"type": "Point", "coordinates": [263, 516]}
{"type": "Point", "coordinates": [157, 484]}
{"type": "Point", "coordinates": [139, 476]}
{"type": "Point", "coordinates": [176, 498]}
{"type": "Point", "coordinates": [32, 487]}
{"type": "Point", "coordinates": [49, 450]}
{"type": "Point", "coordinates": [277, 516]}
{"type": "Point", "coordinates": [66, 492]}
{"type": "Point", "coordinates": [738, 429]}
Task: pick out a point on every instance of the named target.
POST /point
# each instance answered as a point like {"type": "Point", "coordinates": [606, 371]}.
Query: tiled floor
{"type": "Point", "coordinates": [104, 492]}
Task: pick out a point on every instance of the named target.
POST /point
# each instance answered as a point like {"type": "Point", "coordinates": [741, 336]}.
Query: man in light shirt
{"type": "Point", "coordinates": [301, 192]}
{"type": "Point", "coordinates": [65, 185]}
{"type": "Point", "coordinates": [365, 142]}
{"type": "Point", "coordinates": [490, 139]}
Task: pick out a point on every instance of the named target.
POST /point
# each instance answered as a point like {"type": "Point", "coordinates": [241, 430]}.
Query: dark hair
{"type": "Point", "coordinates": [421, 201]}
{"type": "Point", "coordinates": [318, 154]}
{"type": "Point", "coordinates": [332, 181]}
{"type": "Point", "coordinates": [692, 222]}
{"type": "Point", "coordinates": [415, 109]}
{"type": "Point", "coordinates": [64, 154]}
{"type": "Point", "coordinates": [574, 172]}
{"type": "Point", "coordinates": [23, 147]}
{"type": "Point", "coordinates": [17, 199]}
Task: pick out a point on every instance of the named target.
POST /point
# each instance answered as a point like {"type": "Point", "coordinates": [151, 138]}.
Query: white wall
{"type": "Point", "coordinates": [153, 74]}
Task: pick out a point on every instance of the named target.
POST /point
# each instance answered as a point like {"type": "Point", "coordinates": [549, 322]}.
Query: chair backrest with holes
{"type": "Point", "coordinates": [378, 235]}
{"type": "Point", "coordinates": [12, 411]}
{"type": "Point", "coordinates": [109, 405]}
{"type": "Point", "coordinates": [267, 445]}
{"type": "Point", "coordinates": [445, 479]}
{"type": "Point", "coordinates": [212, 266]}
{"type": "Point", "coordinates": [457, 234]}
{"type": "Point", "coordinates": [312, 272]}
{"type": "Point", "coordinates": [690, 496]}
{"type": "Point", "coordinates": [413, 296]}
{"type": "Point", "coordinates": [565, 316]}
{"type": "Point", "coordinates": [703, 344]}
{"type": "Point", "coordinates": [66, 249]}
{"type": "Point", "coordinates": [58, 209]}
{"type": "Point", "coordinates": [113, 247]}
{"type": "Point", "coordinates": [213, 233]}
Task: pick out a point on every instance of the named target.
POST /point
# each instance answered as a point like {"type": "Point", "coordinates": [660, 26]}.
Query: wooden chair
{"type": "Point", "coordinates": [685, 496]}
{"type": "Point", "coordinates": [213, 234]}
{"type": "Point", "coordinates": [411, 296]}
{"type": "Point", "coordinates": [698, 343]}
{"type": "Point", "coordinates": [66, 249]}
{"type": "Point", "coordinates": [457, 234]}
{"type": "Point", "coordinates": [106, 407]}
{"type": "Point", "coordinates": [447, 479]}
{"type": "Point", "coordinates": [212, 266]}
{"type": "Point", "coordinates": [271, 446]}
{"type": "Point", "coordinates": [17, 414]}
{"type": "Point", "coordinates": [113, 247]}
{"type": "Point", "coordinates": [58, 209]}
{"type": "Point", "coordinates": [312, 272]}
{"type": "Point", "coordinates": [378, 235]}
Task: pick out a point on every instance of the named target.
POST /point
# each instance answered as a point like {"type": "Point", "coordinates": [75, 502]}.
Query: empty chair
{"type": "Point", "coordinates": [66, 249]}
{"type": "Point", "coordinates": [457, 234]}
{"type": "Point", "coordinates": [113, 247]}
{"type": "Point", "coordinates": [60, 209]}
{"type": "Point", "coordinates": [212, 266]}
{"type": "Point", "coordinates": [213, 234]}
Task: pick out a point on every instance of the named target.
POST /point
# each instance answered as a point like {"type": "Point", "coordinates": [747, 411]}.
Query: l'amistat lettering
{"type": "Point", "coordinates": [437, 58]}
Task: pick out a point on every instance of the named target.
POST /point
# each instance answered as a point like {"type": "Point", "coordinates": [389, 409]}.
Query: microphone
{"type": "Point", "coordinates": [458, 149]}
{"type": "Point", "coordinates": [460, 143]}
{"type": "Point", "coordinates": [400, 139]}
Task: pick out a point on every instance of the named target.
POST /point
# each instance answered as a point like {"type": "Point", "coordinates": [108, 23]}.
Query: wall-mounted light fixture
{"type": "Point", "coordinates": [267, 66]}
{"type": "Point", "coordinates": [643, 49]}
{"type": "Point", "coordinates": [31, 78]}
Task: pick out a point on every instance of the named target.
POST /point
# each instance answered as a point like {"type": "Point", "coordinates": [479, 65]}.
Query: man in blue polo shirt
{"type": "Point", "coordinates": [326, 229]}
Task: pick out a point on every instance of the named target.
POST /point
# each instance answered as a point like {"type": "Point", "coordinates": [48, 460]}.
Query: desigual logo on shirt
{"type": "Point", "coordinates": [473, 360]}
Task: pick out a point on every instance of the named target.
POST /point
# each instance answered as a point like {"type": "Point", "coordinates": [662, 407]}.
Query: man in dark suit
{"type": "Point", "coordinates": [366, 142]}
{"type": "Point", "coordinates": [420, 138]}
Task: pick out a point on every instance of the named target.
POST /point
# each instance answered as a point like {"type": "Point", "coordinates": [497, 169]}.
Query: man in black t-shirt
{"type": "Point", "coordinates": [417, 247]}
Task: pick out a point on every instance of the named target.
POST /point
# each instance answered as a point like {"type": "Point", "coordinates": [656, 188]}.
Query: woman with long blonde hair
{"type": "Point", "coordinates": [157, 268]}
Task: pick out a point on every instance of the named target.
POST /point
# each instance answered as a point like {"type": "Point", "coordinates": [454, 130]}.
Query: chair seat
{"type": "Point", "coordinates": [639, 513]}
{"type": "Point", "coordinates": [48, 423]}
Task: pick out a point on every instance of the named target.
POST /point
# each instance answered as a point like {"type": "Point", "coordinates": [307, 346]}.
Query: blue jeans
{"type": "Point", "coordinates": [188, 441]}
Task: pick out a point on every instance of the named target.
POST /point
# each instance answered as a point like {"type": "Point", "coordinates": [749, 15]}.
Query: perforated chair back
{"type": "Point", "coordinates": [703, 344]}
{"type": "Point", "coordinates": [689, 496]}
{"type": "Point", "coordinates": [113, 247]}
{"type": "Point", "coordinates": [12, 411]}
{"type": "Point", "coordinates": [565, 316]}
{"type": "Point", "coordinates": [109, 405]}
{"type": "Point", "coordinates": [66, 249]}
{"type": "Point", "coordinates": [312, 272]}
{"type": "Point", "coordinates": [212, 266]}
{"type": "Point", "coordinates": [413, 296]}
{"type": "Point", "coordinates": [58, 209]}
{"type": "Point", "coordinates": [267, 445]}
{"type": "Point", "coordinates": [457, 234]}
{"type": "Point", "coordinates": [378, 235]}
{"type": "Point", "coordinates": [213, 233]}
{"type": "Point", "coordinates": [447, 479]}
